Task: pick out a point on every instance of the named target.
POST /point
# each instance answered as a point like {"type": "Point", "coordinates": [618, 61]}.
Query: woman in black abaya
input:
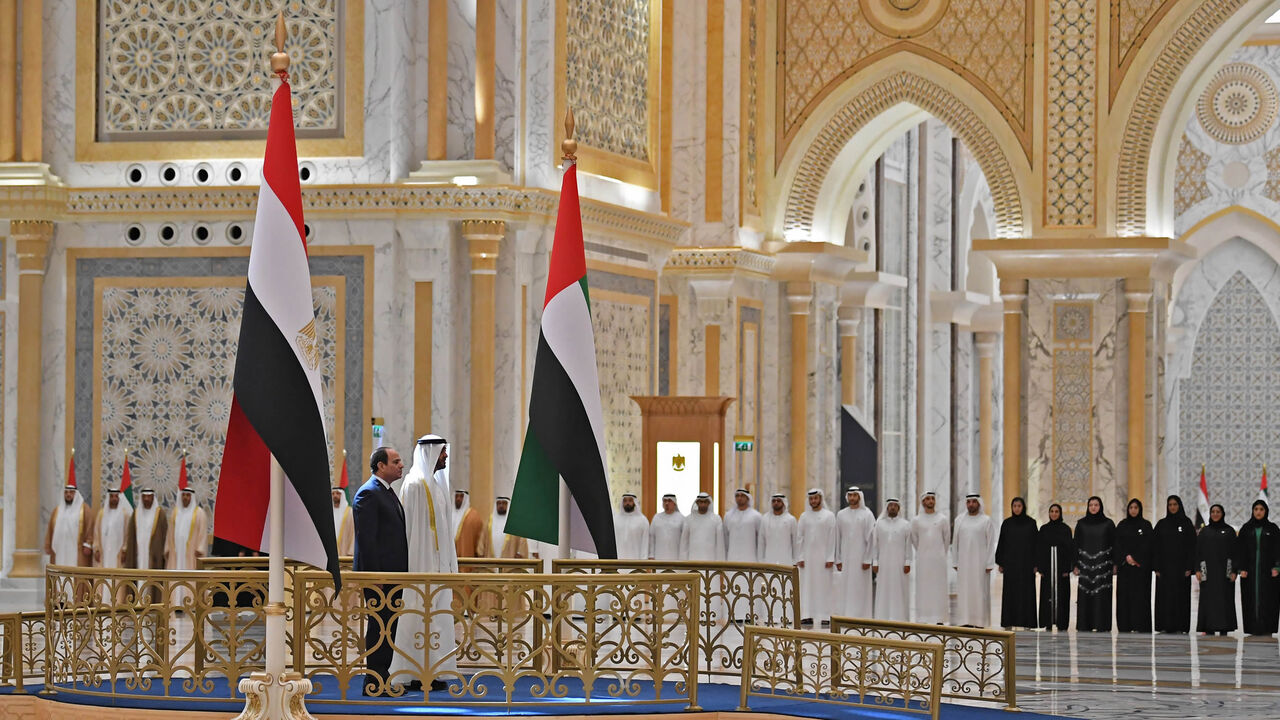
{"type": "Point", "coordinates": [1215, 550]}
{"type": "Point", "coordinates": [1016, 558]}
{"type": "Point", "coordinates": [1258, 557]}
{"type": "Point", "coordinates": [1055, 539]}
{"type": "Point", "coordinates": [1095, 537]}
{"type": "Point", "coordinates": [1133, 570]}
{"type": "Point", "coordinates": [1174, 559]}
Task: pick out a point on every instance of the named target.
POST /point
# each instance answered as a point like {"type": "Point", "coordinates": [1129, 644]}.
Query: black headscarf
{"type": "Point", "coordinates": [1019, 518]}
{"type": "Point", "coordinates": [1100, 516]}
{"type": "Point", "coordinates": [1218, 523]}
{"type": "Point", "coordinates": [1051, 521]}
{"type": "Point", "coordinates": [1254, 522]}
{"type": "Point", "coordinates": [1127, 518]}
{"type": "Point", "coordinates": [1182, 510]}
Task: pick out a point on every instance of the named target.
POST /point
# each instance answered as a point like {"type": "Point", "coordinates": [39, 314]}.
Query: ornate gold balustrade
{"type": "Point", "coordinates": [190, 634]}
{"type": "Point", "coordinates": [734, 595]}
{"type": "Point", "coordinates": [977, 664]}
{"type": "Point", "coordinates": [23, 649]}
{"type": "Point", "coordinates": [841, 669]}
{"type": "Point", "coordinates": [506, 565]}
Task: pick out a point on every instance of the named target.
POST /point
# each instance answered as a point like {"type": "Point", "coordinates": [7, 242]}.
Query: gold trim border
{"type": "Point", "coordinates": [601, 162]}
{"type": "Point", "coordinates": [89, 149]}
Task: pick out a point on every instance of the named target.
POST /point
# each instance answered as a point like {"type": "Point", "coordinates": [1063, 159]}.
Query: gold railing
{"type": "Point", "coordinates": [519, 638]}
{"type": "Point", "coordinates": [780, 663]}
{"type": "Point", "coordinates": [506, 565]}
{"type": "Point", "coordinates": [734, 595]}
{"type": "Point", "coordinates": [977, 664]}
{"type": "Point", "coordinates": [22, 649]}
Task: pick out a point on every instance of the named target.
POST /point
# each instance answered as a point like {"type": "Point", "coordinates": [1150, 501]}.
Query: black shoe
{"type": "Point", "coordinates": [436, 685]}
{"type": "Point", "coordinates": [414, 686]}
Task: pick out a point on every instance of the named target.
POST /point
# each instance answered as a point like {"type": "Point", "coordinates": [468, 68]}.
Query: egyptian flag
{"type": "Point", "coordinates": [1202, 502]}
{"type": "Point", "coordinates": [565, 438]}
{"type": "Point", "coordinates": [277, 408]}
{"type": "Point", "coordinates": [1262, 492]}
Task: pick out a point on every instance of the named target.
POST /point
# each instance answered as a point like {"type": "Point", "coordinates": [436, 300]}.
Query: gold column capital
{"type": "Point", "coordinates": [799, 296]}
{"type": "Point", "coordinates": [484, 240]}
{"type": "Point", "coordinates": [31, 243]}
{"type": "Point", "coordinates": [985, 343]}
{"type": "Point", "coordinates": [475, 229]}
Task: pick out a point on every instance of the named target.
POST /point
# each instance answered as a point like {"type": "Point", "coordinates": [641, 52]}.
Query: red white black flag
{"type": "Point", "coordinates": [277, 408]}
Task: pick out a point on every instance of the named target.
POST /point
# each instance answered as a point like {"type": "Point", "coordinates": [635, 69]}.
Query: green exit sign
{"type": "Point", "coordinates": [744, 443]}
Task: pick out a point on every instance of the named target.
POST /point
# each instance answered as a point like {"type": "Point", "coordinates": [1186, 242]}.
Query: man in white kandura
{"type": "Point", "coordinates": [496, 542]}
{"type": "Point", "coordinates": [702, 537]}
{"type": "Point", "coordinates": [892, 563]}
{"type": "Point", "coordinates": [778, 542]}
{"type": "Point", "coordinates": [855, 549]}
{"type": "Point", "coordinates": [742, 545]}
{"type": "Point", "coordinates": [631, 530]}
{"type": "Point", "coordinates": [108, 536]}
{"type": "Point", "coordinates": [817, 560]}
{"type": "Point", "coordinates": [973, 555]}
{"type": "Point", "coordinates": [186, 541]}
{"type": "Point", "coordinates": [929, 531]}
{"type": "Point", "coordinates": [428, 520]}
{"type": "Point", "coordinates": [666, 530]}
{"type": "Point", "coordinates": [343, 523]}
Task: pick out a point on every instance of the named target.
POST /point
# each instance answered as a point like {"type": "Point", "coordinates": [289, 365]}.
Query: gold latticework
{"type": "Point", "coordinates": [734, 595]}
{"type": "Point", "coordinates": [180, 633]}
{"type": "Point", "coordinates": [977, 663]}
{"type": "Point", "coordinates": [841, 669]}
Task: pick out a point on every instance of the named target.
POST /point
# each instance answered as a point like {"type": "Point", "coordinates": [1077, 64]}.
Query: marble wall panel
{"type": "Point", "coordinates": [462, 80]}
{"type": "Point", "coordinates": [688, 131]}
{"type": "Point", "coordinates": [773, 436]}
{"type": "Point", "coordinates": [746, 465]}
{"type": "Point", "coordinates": [964, 432]}
{"type": "Point", "coordinates": [535, 162]}
{"type": "Point", "coordinates": [506, 82]}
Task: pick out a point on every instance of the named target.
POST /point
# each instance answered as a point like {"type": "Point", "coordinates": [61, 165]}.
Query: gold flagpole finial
{"type": "Point", "coordinates": [569, 146]}
{"type": "Point", "coordinates": [280, 58]}
{"type": "Point", "coordinates": [73, 452]}
{"type": "Point", "coordinates": [344, 452]}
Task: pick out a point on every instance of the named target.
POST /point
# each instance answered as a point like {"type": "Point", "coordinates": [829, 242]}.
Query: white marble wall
{"type": "Point", "coordinates": [462, 80]}
{"type": "Point", "coordinates": [9, 374]}
{"type": "Point", "coordinates": [935, 268]}
{"type": "Point", "coordinates": [506, 81]}
{"type": "Point", "coordinates": [535, 161]}
{"type": "Point", "coordinates": [688, 128]}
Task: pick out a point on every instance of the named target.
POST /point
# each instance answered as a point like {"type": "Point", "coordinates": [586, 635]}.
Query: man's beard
{"type": "Point", "coordinates": [627, 509]}
{"type": "Point", "coordinates": [502, 512]}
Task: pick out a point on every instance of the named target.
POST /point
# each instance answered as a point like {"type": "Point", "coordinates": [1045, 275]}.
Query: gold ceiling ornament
{"type": "Point", "coordinates": [903, 18]}
{"type": "Point", "coordinates": [1239, 105]}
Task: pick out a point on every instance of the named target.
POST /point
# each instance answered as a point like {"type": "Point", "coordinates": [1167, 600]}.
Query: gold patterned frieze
{"type": "Point", "coordinates": [499, 202]}
{"type": "Point", "coordinates": [1131, 24]}
{"type": "Point", "coordinates": [821, 43]}
{"type": "Point", "coordinates": [728, 259]}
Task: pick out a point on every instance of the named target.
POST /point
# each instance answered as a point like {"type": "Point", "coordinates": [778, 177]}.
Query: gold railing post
{"type": "Point", "coordinates": [1011, 673]}
{"type": "Point", "coordinates": [748, 663]}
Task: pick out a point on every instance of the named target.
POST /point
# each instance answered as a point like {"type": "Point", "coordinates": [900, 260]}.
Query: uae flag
{"type": "Point", "coordinates": [1202, 501]}
{"type": "Point", "coordinates": [1262, 492]}
{"type": "Point", "coordinates": [126, 482]}
{"type": "Point", "coordinates": [565, 438]}
{"type": "Point", "coordinates": [277, 408]}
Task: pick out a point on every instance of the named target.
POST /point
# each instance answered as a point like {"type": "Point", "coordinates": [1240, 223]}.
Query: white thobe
{"type": "Point", "coordinates": [702, 537]}
{"type": "Point", "coordinates": [742, 535]}
{"type": "Point", "coordinates": [855, 547]}
{"type": "Point", "coordinates": [66, 532]}
{"type": "Point", "coordinates": [973, 548]}
{"type": "Point", "coordinates": [428, 519]}
{"type": "Point", "coordinates": [344, 528]}
{"type": "Point", "coordinates": [929, 540]}
{"type": "Point", "coordinates": [893, 553]}
{"type": "Point", "coordinates": [778, 544]}
{"type": "Point", "coordinates": [664, 536]}
{"type": "Point", "coordinates": [817, 541]}
{"type": "Point", "coordinates": [144, 524]}
{"type": "Point", "coordinates": [188, 529]}
{"type": "Point", "coordinates": [111, 529]}
{"type": "Point", "coordinates": [631, 531]}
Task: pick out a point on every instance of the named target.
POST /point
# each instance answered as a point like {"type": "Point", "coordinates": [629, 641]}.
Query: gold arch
{"type": "Point", "coordinates": [973, 120]}
{"type": "Point", "coordinates": [1194, 44]}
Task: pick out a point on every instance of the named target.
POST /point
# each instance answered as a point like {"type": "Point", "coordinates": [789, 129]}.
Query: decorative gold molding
{"type": "Point", "coordinates": [89, 149]}
{"type": "Point", "coordinates": [484, 238]}
{"type": "Point", "coordinates": [510, 203]}
{"type": "Point", "coordinates": [1131, 25]}
{"type": "Point", "coordinates": [1152, 96]}
{"type": "Point", "coordinates": [913, 88]}
{"type": "Point", "coordinates": [31, 244]}
{"type": "Point", "coordinates": [726, 259]}
{"type": "Point", "coordinates": [751, 85]}
{"type": "Point", "coordinates": [1071, 112]}
{"type": "Point", "coordinates": [597, 161]}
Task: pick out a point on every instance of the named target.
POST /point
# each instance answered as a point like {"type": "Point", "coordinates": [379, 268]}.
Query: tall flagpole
{"type": "Point", "coordinates": [275, 694]}
{"type": "Point", "coordinates": [569, 147]}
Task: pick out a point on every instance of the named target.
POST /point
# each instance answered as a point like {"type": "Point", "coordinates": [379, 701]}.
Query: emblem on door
{"type": "Point", "coordinates": [677, 463]}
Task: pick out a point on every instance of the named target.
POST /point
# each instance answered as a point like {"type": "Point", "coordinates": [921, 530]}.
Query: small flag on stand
{"type": "Point", "coordinates": [1202, 501]}
{"type": "Point", "coordinates": [182, 473]}
{"type": "Point", "coordinates": [71, 469]}
{"type": "Point", "coordinates": [344, 482]}
{"type": "Point", "coordinates": [1262, 492]}
{"type": "Point", "coordinates": [126, 482]}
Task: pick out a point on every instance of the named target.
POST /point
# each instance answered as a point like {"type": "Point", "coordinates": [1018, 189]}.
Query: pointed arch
{"type": "Point", "coordinates": [856, 122]}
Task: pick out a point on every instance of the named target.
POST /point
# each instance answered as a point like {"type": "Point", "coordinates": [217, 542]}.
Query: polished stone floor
{"type": "Point", "coordinates": [1092, 675]}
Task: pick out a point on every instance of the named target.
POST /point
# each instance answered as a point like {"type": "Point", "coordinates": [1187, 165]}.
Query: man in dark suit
{"type": "Point", "coordinates": [380, 546]}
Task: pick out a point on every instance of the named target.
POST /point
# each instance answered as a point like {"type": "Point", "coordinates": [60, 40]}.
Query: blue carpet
{"type": "Point", "coordinates": [325, 699]}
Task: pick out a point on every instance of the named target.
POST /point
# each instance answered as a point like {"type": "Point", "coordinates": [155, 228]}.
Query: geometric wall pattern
{"type": "Point", "coordinates": [607, 74]}
{"type": "Point", "coordinates": [172, 69]}
{"type": "Point", "coordinates": [1229, 416]}
{"type": "Point", "coordinates": [1072, 399]}
{"type": "Point", "coordinates": [142, 379]}
{"type": "Point", "coordinates": [166, 362]}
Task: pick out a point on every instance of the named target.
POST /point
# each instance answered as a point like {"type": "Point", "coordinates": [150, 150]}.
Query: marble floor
{"type": "Point", "coordinates": [1093, 675]}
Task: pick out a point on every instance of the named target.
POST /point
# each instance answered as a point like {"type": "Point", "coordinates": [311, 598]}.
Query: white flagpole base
{"type": "Point", "coordinates": [275, 698]}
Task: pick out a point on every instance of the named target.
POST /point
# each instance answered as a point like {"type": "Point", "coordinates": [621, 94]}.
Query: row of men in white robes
{"type": "Point", "coordinates": [851, 563]}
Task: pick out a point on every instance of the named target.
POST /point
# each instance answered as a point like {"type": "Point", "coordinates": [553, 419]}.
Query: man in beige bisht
{"type": "Point", "coordinates": [69, 539]}
{"type": "Point", "coordinates": [496, 542]}
{"type": "Point", "coordinates": [145, 536]}
{"type": "Point", "coordinates": [186, 539]}
{"type": "Point", "coordinates": [343, 526]}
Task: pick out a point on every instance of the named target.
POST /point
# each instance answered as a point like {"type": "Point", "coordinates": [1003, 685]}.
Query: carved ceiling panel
{"type": "Point", "coordinates": [1131, 23]}
{"type": "Point", "coordinates": [825, 41]}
